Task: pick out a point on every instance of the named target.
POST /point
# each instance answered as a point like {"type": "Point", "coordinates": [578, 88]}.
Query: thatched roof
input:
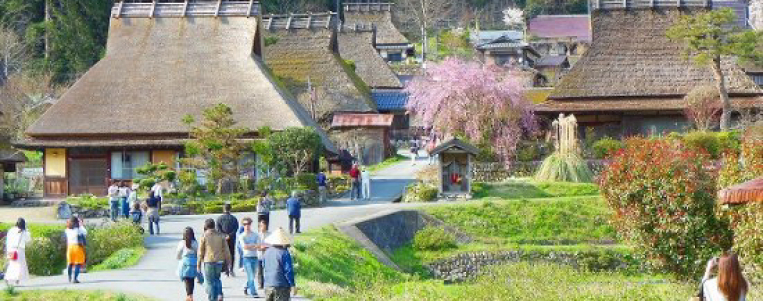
{"type": "Point", "coordinates": [298, 54]}
{"type": "Point", "coordinates": [631, 57]}
{"type": "Point", "coordinates": [158, 70]}
{"type": "Point", "coordinates": [624, 104]}
{"type": "Point", "coordinates": [356, 43]}
{"type": "Point", "coordinates": [379, 14]}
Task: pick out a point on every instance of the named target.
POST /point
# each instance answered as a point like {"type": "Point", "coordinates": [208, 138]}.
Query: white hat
{"type": "Point", "coordinates": [135, 186]}
{"type": "Point", "coordinates": [278, 238]}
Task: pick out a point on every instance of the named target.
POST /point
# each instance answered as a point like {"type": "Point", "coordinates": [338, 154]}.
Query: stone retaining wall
{"type": "Point", "coordinates": [497, 172]}
{"type": "Point", "coordinates": [468, 265]}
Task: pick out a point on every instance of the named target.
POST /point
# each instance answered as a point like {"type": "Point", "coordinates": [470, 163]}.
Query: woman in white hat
{"type": "Point", "coordinates": [278, 269]}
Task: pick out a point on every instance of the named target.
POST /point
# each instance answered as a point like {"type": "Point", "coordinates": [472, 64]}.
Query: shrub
{"type": "Point", "coordinates": [606, 147]}
{"type": "Point", "coordinates": [559, 167]}
{"type": "Point", "coordinates": [307, 181]}
{"type": "Point", "coordinates": [747, 240]}
{"type": "Point", "coordinates": [433, 239]}
{"type": "Point", "coordinates": [420, 192]}
{"type": "Point", "coordinates": [104, 241]}
{"type": "Point", "coordinates": [663, 202]}
{"type": "Point", "coordinates": [46, 255]}
{"type": "Point", "coordinates": [705, 141]}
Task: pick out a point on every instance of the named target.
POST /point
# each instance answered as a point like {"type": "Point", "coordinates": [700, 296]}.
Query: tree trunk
{"type": "Point", "coordinates": [720, 81]}
{"type": "Point", "coordinates": [47, 19]}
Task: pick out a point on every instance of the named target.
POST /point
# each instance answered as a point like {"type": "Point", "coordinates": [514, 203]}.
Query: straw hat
{"type": "Point", "coordinates": [278, 238]}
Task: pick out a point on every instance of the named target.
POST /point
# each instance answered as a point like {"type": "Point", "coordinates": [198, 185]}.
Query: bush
{"type": "Point", "coordinates": [88, 201]}
{"type": "Point", "coordinates": [104, 241]}
{"type": "Point", "coordinates": [605, 147]}
{"type": "Point", "coordinates": [420, 192]}
{"type": "Point", "coordinates": [747, 240]}
{"type": "Point", "coordinates": [705, 141]}
{"type": "Point", "coordinates": [663, 201]}
{"type": "Point", "coordinates": [433, 239]}
{"type": "Point", "coordinates": [307, 181]}
{"type": "Point", "coordinates": [559, 167]}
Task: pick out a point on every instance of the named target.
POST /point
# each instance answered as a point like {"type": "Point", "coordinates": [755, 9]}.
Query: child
{"type": "Point", "coordinates": [136, 213]}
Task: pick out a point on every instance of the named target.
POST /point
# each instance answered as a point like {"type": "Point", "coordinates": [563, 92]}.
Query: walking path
{"type": "Point", "coordinates": [154, 276]}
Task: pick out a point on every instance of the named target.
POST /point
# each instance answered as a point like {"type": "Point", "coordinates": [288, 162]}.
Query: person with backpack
{"type": "Point", "coordinates": [227, 224]}
{"type": "Point", "coordinates": [216, 258]}
{"type": "Point", "coordinates": [187, 262]}
{"type": "Point", "coordinates": [15, 241]}
{"type": "Point", "coordinates": [294, 210]}
{"type": "Point", "coordinates": [75, 247]}
{"type": "Point", "coordinates": [154, 204]}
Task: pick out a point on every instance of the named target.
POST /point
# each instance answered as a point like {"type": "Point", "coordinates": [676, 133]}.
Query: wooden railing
{"type": "Point", "coordinates": [367, 7]}
{"type": "Point", "coordinates": [298, 21]}
{"type": "Point", "coordinates": [615, 4]}
{"type": "Point", "coordinates": [185, 9]}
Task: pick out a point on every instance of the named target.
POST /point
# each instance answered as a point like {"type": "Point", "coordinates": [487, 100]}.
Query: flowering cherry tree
{"type": "Point", "coordinates": [484, 104]}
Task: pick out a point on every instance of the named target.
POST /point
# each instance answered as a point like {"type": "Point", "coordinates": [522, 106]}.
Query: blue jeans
{"type": "Point", "coordinates": [214, 286]}
{"type": "Point", "coordinates": [355, 190]}
{"type": "Point", "coordinates": [114, 202]}
{"type": "Point", "coordinates": [125, 208]}
{"type": "Point", "coordinates": [250, 265]}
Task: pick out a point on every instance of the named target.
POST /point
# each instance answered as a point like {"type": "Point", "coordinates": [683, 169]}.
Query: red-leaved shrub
{"type": "Point", "coordinates": [663, 199]}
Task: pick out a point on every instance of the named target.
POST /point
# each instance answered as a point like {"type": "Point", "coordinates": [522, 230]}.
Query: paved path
{"type": "Point", "coordinates": [154, 275]}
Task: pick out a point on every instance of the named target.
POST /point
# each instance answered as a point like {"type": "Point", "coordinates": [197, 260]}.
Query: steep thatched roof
{"type": "Point", "coordinates": [298, 54]}
{"type": "Point", "coordinates": [379, 14]}
{"type": "Point", "coordinates": [631, 57]}
{"type": "Point", "coordinates": [356, 43]}
{"type": "Point", "coordinates": [623, 104]}
{"type": "Point", "coordinates": [158, 70]}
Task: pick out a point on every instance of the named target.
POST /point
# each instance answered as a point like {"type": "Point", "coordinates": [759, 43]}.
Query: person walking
{"type": "Point", "coordinates": [216, 258]}
{"type": "Point", "coordinates": [188, 261]}
{"type": "Point", "coordinates": [365, 177]}
{"type": "Point", "coordinates": [154, 204]}
{"type": "Point", "coordinates": [227, 224]}
{"type": "Point", "coordinates": [278, 268]}
{"type": "Point", "coordinates": [355, 188]}
{"type": "Point", "coordinates": [250, 244]}
{"type": "Point", "coordinates": [264, 205]}
{"type": "Point", "coordinates": [15, 241]}
{"type": "Point", "coordinates": [729, 285]}
{"type": "Point", "coordinates": [113, 193]}
{"type": "Point", "coordinates": [263, 233]}
{"type": "Point", "coordinates": [414, 151]}
{"type": "Point", "coordinates": [322, 186]}
{"type": "Point", "coordinates": [294, 210]}
{"type": "Point", "coordinates": [430, 148]}
{"type": "Point", "coordinates": [75, 247]}
{"type": "Point", "coordinates": [124, 193]}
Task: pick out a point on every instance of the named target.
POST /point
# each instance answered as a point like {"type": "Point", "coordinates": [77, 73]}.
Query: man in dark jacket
{"type": "Point", "coordinates": [294, 208]}
{"type": "Point", "coordinates": [278, 268]}
{"type": "Point", "coordinates": [228, 224]}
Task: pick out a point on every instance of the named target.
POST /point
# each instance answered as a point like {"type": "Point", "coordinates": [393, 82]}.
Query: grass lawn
{"type": "Point", "coordinates": [67, 295]}
{"type": "Point", "coordinates": [121, 259]}
{"type": "Point", "coordinates": [527, 188]}
{"type": "Point", "coordinates": [387, 163]}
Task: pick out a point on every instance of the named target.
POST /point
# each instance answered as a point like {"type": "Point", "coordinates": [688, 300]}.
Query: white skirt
{"type": "Point", "coordinates": [17, 269]}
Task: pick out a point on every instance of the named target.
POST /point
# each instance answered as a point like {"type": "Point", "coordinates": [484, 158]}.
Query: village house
{"type": "Point", "coordinates": [390, 43]}
{"type": "Point", "coordinates": [163, 61]}
{"type": "Point", "coordinates": [633, 79]}
{"type": "Point", "coordinates": [560, 36]}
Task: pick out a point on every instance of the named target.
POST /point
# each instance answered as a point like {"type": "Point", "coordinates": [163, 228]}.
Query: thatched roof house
{"type": "Point", "coordinates": [302, 52]}
{"type": "Point", "coordinates": [390, 43]}
{"type": "Point", "coordinates": [163, 61]}
{"type": "Point", "coordinates": [356, 43]}
{"type": "Point", "coordinates": [633, 78]}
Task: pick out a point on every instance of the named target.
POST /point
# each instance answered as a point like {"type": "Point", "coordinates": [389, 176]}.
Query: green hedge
{"type": "Point", "coordinates": [420, 192]}
{"type": "Point", "coordinates": [605, 147]}
{"type": "Point", "coordinates": [433, 239]}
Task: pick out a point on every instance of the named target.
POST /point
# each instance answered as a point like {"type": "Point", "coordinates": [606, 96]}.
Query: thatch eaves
{"type": "Point", "coordinates": [302, 56]}
{"type": "Point", "coordinates": [631, 56]}
{"type": "Point", "coordinates": [356, 43]}
{"type": "Point", "coordinates": [158, 70]}
{"type": "Point", "coordinates": [379, 14]}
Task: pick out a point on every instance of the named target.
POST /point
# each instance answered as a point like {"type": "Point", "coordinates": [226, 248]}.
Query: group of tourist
{"type": "Point", "coordinates": [124, 202]}
{"type": "Point", "coordinates": [361, 183]}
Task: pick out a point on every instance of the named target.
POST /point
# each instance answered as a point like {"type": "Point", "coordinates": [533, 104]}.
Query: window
{"type": "Point", "coordinates": [758, 78]}
{"type": "Point", "coordinates": [123, 164]}
{"type": "Point", "coordinates": [395, 57]}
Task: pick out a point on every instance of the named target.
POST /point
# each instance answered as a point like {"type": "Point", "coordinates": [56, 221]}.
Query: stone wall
{"type": "Point", "coordinates": [468, 265]}
{"type": "Point", "coordinates": [497, 172]}
{"type": "Point", "coordinates": [383, 232]}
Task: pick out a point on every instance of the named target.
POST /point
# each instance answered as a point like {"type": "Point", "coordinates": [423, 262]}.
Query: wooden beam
{"type": "Point", "coordinates": [249, 11]}
{"type": "Point", "coordinates": [217, 10]}
{"type": "Point", "coordinates": [119, 9]}
{"type": "Point", "coordinates": [309, 19]}
{"type": "Point", "coordinates": [185, 7]}
{"type": "Point", "coordinates": [270, 22]}
{"type": "Point", "coordinates": [153, 7]}
{"type": "Point", "coordinates": [288, 21]}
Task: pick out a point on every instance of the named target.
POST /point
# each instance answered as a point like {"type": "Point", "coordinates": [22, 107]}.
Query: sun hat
{"type": "Point", "coordinates": [278, 238]}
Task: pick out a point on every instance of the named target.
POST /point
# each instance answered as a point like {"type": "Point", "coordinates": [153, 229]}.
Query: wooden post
{"type": "Point", "coordinates": [309, 19]}
{"type": "Point", "coordinates": [249, 11]}
{"type": "Point", "coordinates": [328, 20]}
{"type": "Point", "coordinates": [119, 10]}
{"type": "Point", "coordinates": [288, 21]}
{"type": "Point", "coordinates": [217, 10]}
{"type": "Point", "coordinates": [185, 8]}
{"type": "Point", "coordinates": [270, 22]}
{"type": "Point", "coordinates": [625, 3]}
{"type": "Point", "coordinates": [153, 7]}
{"type": "Point", "coordinates": [651, 3]}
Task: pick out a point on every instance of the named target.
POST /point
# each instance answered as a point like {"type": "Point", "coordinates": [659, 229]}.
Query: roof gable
{"type": "Point", "coordinates": [356, 43]}
{"type": "Point", "coordinates": [632, 57]}
{"type": "Point", "coordinates": [561, 26]}
{"type": "Point", "coordinates": [455, 143]}
{"type": "Point", "coordinates": [379, 14]}
{"type": "Point", "coordinates": [303, 56]}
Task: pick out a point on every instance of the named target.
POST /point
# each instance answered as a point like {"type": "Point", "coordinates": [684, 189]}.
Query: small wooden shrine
{"type": "Point", "coordinates": [455, 166]}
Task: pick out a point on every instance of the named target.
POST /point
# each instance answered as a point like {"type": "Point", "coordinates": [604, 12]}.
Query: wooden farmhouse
{"type": "Point", "coordinates": [390, 43]}
{"type": "Point", "coordinates": [163, 61]}
{"type": "Point", "coordinates": [633, 79]}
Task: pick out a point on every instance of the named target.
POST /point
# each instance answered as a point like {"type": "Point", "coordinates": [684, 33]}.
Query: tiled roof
{"type": "Point", "coordinates": [362, 120]}
{"type": "Point", "coordinates": [485, 36]}
{"type": "Point", "coordinates": [390, 100]}
{"type": "Point", "coordinates": [561, 26]}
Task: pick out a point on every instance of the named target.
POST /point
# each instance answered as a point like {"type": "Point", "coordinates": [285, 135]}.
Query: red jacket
{"type": "Point", "coordinates": [354, 173]}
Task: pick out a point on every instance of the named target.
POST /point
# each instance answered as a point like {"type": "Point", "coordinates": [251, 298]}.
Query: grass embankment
{"type": "Point", "coordinates": [124, 258]}
{"type": "Point", "coordinates": [64, 295]}
{"type": "Point", "coordinates": [387, 163]}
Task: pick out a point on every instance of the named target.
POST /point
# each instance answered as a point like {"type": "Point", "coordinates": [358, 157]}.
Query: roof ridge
{"type": "Point", "coordinates": [356, 7]}
{"type": "Point", "coordinates": [246, 8]}
{"type": "Point", "coordinates": [309, 20]}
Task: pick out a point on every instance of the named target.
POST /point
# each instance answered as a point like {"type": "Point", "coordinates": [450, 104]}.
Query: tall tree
{"type": "Point", "coordinates": [296, 147]}
{"type": "Point", "coordinates": [709, 38]}
{"type": "Point", "coordinates": [23, 98]}
{"type": "Point", "coordinates": [13, 53]}
{"type": "Point", "coordinates": [216, 145]}
{"type": "Point", "coordinates": [484, 104]}
{"type": "Point", "coordinates": [425, 14]}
